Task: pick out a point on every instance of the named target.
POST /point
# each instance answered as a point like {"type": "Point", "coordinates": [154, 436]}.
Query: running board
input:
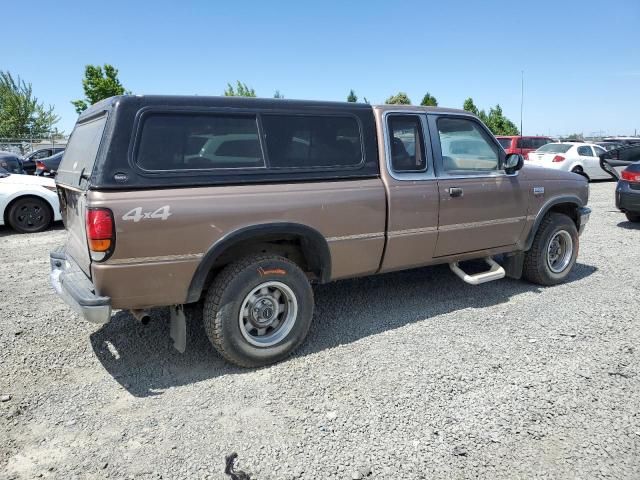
{"type": "Point", "coordinates": [496, 272]}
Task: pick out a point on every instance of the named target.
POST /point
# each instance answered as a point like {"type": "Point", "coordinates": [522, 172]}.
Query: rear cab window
{"type": "Point", "coordinates": [81, 152]}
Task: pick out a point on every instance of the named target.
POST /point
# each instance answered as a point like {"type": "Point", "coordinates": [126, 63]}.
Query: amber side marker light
{"type": "Point", "coordinates": [100, 232]}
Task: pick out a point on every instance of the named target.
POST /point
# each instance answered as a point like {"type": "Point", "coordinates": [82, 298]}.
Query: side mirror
{"type": "Point", "coordinates": [513, 162]}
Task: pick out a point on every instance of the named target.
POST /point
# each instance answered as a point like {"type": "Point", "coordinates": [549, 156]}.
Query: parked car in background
{"type": "Point", "coordinates": [11, 162]}
{"type": "Point", "coordinates": [28, 204]}
{"type": "Point", "coordinates": [622, 140]}
{"type": "Point", "coordinates": [616, 160]}
{"type": "Point", "coordinates": [522, 145]}
{"type": "Point", "coordinates": [609, 145]}
{"type": "Point", "coordinates": [628, 192]}
{"type": "Point", "coordinates": [48, 167]}
{"type": "Point", "coordinates": [580, 158]}
{"type": "Point", "coordinates": [29, 160]}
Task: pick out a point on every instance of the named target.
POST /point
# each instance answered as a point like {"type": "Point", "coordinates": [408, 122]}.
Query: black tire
{"type": "Point", "coordinates": [235, 284]}
{"type": "Point", "coordinates": [633, 217]}
{"type": "Point", "coordinates": [537, 268]}
{"type": "Point", "coordinates": [30, 215]}
{"type": "Point", "coordinates": [580, 171]}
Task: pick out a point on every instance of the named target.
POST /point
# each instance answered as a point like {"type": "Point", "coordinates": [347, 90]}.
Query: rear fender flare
{"type": "Point", "coordinates": [314, 245]}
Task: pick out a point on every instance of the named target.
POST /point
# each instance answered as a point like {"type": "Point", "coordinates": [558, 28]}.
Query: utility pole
{"type": "Point", "coordinates": [521, 100]}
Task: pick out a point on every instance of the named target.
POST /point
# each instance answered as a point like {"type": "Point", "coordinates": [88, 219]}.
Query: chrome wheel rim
{"type": "Point", "coordinates": [268, 314]}
{"type": "Point", "coordinates": [559, 251]}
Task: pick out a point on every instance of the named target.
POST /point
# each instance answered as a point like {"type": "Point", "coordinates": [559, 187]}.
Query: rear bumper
{"type": "Point", "coordinates": [73, 286]}
{"type": "Point", "coordinates": [584, 213]}
{"type": "Point", "coordinates": [627, 198]}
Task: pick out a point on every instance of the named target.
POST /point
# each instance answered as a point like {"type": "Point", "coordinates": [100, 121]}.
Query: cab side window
{"type": "Point", "coordinates": [406, 144]}
{"type": "Point", "coordinates": [466, 147]}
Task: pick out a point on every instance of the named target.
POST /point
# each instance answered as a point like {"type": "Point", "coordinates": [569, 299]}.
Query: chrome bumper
{"type": "Point", "coordinates": [584, 213]}
{"type": "Point", "coordinates": [73, 286]}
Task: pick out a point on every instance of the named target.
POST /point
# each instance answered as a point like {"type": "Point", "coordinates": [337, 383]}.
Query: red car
{"type": "Point", "coordinates": [522, 145]}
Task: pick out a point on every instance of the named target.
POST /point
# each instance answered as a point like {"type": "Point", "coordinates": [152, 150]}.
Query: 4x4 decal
{"type": "Point", "coordinates": [137, 214]}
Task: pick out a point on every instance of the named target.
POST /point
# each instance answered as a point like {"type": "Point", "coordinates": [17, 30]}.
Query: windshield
{"type": "Point", "coordinates": [554, 148]}
{"type": "Point", "coordinates": [505, 142]}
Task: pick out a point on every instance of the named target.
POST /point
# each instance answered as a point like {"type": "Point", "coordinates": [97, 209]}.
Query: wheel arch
{"type": "Point", "coordinates": [20, 196]}
{"type": "Point", "coordinates": [312, 244]}
{"type": "Point", "coordinates": [569, 205]}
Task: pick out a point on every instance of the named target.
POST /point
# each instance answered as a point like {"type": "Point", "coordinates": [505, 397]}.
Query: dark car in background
{"type": "Point", "coordinates": [623, 164]}
{"type": "Point", "coordinates": [522, 145]}
{"type": "Point", "coordinates": [11, 162]}
{"type": "Point", "coordinates": [610, 145]}
{"type": "Point", "coordinates": [29, 160]}
{"type": "Point", "coordinates": [622, 140]}
{"type": "Point", "coordinates": [49, 166]}
{"type": "Point", "coordinates": [616, 160]}
{"type": "Point", "coordinates": [628, 192]}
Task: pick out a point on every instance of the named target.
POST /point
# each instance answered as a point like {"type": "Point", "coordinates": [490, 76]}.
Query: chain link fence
{"type": "Point", "coordinates": [25, 145]}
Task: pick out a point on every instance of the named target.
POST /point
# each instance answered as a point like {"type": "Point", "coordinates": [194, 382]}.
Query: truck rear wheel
{"type": "Point", "coordinates": [554, 250]}
{"type": "Point", "coordinates": [258, 310]}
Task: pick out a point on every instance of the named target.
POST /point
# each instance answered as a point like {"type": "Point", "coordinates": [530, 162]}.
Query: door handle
{"type": "Point", "coordinates": [455, 192]}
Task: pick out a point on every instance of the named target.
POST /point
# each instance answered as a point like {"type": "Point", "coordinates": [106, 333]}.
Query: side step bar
{"type": "Point", "coordinates": [496, 272]}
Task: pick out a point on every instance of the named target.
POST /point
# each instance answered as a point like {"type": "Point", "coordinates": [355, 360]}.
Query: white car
{"type": "Point", "coordinates": [28, 203]}
{"type": "Point", "coordinates": [582, 158]}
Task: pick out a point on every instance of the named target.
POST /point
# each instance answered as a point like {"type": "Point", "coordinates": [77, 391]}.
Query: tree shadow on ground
{"type": "Point", "coordinates": [143, 360]}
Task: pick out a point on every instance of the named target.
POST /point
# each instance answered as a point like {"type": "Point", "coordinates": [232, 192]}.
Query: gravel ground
{"type": "Point", "coordinates": [406, 375]}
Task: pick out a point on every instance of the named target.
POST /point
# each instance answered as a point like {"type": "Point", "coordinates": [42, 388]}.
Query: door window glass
{"type": "Point", "coordinates": [466, 147]}
{"type": "Point", "coordinates": [585, 151]}
{"type": "Point", "coordinates": [407, 146]}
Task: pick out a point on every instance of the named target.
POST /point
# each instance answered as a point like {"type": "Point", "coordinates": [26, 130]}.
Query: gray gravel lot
{"type": "Point", "coordinates": [406, 375]}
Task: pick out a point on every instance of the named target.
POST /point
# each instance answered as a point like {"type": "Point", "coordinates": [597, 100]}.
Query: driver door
{"type": "Point", "coordinates": [481, 207]}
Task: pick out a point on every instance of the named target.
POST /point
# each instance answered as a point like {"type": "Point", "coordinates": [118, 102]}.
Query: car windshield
{"type": "Point", "coordinates": [555, 148]}
{"type": "Point", "coordinates": [505, 142]}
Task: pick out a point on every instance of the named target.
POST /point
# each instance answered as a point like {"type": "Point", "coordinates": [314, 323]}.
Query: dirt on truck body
{"type": "Point", "coordinates": [240, 205]}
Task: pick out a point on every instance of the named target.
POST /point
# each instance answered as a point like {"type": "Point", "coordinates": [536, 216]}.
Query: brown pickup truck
{"type": "Point", "coordinates": [240, 205]}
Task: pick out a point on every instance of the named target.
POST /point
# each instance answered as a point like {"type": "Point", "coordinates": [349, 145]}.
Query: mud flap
{"type": "Point", "coordinates": [513, 264]}
{"type": "Point", "coordinates": [178, 328]}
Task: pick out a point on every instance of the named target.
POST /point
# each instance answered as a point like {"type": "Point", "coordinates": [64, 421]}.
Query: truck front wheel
{"type": "Point", "coordinates": [554, 250]}
{"type": "Point", "coordinates": [258, 310]}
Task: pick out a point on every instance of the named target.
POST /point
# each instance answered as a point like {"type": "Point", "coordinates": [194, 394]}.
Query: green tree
{"type": "Point", "coordinates": [277, 94]}
{"type": "Point", "coordinates": [400, 98]}
{"type": "Point", "coordinates": [241, 90]}
{"type": "Point", "coordinates": [499, 124]}
{"type": "Point", "coordinates": [352, 97]}
{"type": "Point", "coordinates": [470, 107]}
{"type": "Point", "coordinates": [495, 120]}
{"type": "Point", "coordinates": [429, 100]}
{"type": "Point", "coordinates": [99, 84]}
{"type": "Point", "coordinates": [21, 114]}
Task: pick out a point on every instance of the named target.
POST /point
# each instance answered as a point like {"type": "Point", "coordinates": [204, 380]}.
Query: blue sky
{"type": "Point", "coordinates": [581, 58]}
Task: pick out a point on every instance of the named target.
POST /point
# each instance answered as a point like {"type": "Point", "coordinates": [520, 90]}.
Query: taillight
{"type": "Point", "coordinates": [558, 158]}
{"type": "Point", "coordinates": [630, 176]}
{"type": "Point", "coordinates": [100, 233]}
{"type": "Point", "coordinates": [39, 164]}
